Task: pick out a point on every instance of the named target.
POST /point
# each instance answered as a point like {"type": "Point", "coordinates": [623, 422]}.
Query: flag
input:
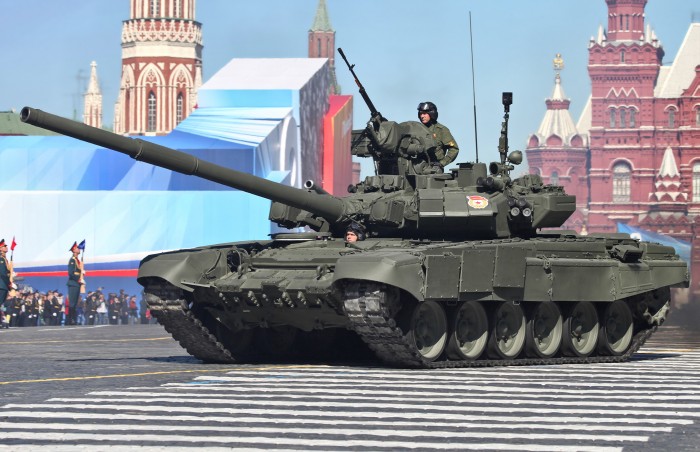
{"type": "Point", "coordinates": [14, 244]}
{"type": "Point", "coordinates": [682, 247]}
{"type": "Point", "coordinates": [81, 246]}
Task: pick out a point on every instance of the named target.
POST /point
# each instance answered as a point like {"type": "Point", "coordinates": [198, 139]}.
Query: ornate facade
{"type": "Point", "coordinates": [641, 133]}
{"type": "Point", "coordinates": [558, 152]}
{"type": "Point", "coordinates": [161, 67]}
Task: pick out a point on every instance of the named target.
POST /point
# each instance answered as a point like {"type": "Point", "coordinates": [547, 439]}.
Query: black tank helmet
{"type": "Point", "coordinates": [358, 229]}
{"type": "Point", "coordinates": [430, 108]}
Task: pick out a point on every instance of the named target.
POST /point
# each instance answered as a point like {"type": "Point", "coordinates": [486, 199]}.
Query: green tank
{"type": "Point", "coordinates": [457, 269]}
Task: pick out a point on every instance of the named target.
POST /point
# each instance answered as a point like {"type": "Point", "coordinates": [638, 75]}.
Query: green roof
{"type": "Point", "coordinates": [11, 125]}
{"type": "Point", "coordinates": [321, 21]}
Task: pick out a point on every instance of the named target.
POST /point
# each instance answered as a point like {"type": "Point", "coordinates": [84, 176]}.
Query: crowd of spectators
{"type": "Point", "coordinates": [27, 307]}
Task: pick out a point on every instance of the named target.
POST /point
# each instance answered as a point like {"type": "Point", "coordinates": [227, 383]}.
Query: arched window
{"type": "Point", "coordinates": [633, 117]}
{"type": "Point", "coordinates": [622, 56]}
{"type": "Point", "coordinates": [178, 109]}
{"type": "Point", "coordinates": [318, 54]}
{"type": "Point", "coordinates": [696, 182]}
{"type": "Point", "coordinates": [554, 178]}
{"type": "Point", "coordinates": [155, 8]}
{"type": "Point", "coordinates": [621, 182]}
{"type": "Point", "coordinates": [697, 116]}
{"type": "Point", "coordinates": [151, 126]}
{"type": "Point", "coordinates": [671, 119]}
{"type": "Point", "coordinates": [623, 117]}
{"type": "Point", "coordinates": [612, 117]}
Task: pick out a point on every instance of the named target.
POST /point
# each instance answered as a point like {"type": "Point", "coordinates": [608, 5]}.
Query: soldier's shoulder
{"type": "Point", "coordinates": [441, 126]}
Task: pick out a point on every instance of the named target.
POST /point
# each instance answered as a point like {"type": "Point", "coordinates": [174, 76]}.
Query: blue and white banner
{"type": "Point", "coordinates": [681, 246]}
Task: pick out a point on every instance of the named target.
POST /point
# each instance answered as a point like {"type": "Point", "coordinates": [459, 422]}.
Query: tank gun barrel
{"type": "Point", "coordinates": [324, 205]}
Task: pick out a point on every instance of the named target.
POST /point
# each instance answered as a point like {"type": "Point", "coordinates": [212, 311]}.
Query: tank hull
{"type": "Point", "coordinates": [549, 299]}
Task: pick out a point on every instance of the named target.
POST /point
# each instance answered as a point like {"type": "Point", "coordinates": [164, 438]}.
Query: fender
{"type": "Point", "coordinates": [399, 269]}
{"type": "Point", "coordinates": [194, 265]}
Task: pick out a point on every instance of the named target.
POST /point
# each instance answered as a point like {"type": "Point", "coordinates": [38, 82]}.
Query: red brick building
{"type": "Point", "coordinates": [322, 41]}
{"type": "Point", "coordinates": [640, 130]}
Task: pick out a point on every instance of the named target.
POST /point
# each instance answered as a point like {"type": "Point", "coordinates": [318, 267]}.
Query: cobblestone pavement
{"type": "Point", "coordinates": [118, 387]}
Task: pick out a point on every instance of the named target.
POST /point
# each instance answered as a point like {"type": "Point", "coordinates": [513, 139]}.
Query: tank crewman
{"type": "Point", "coordinates": [5, 284]}
{"type": "Point", "coordinates": [447, 148]}
{"type": "Point", "coordinates": [75, 280]}
{"type": "Point", "coordinates": [355, 232]}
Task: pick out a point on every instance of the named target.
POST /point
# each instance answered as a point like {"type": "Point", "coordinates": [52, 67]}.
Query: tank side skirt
{"type": "Point", "coordinates": [542, 269]}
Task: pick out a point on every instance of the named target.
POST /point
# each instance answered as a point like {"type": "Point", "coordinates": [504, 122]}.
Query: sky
{"type": "Point", "coordinates": [405, 52]}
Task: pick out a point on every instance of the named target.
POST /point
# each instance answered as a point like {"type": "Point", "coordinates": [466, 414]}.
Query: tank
{"type": "Point", "coordinates": [457, 269]}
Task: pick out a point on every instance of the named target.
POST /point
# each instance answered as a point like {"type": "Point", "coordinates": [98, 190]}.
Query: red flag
{"type": "Point", "coordinates": [14, 244]}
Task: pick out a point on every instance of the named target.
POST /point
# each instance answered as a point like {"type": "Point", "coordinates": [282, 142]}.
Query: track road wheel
{"type": "Point", "coordinates": [426, 330]}
{"type": "Point", "coordinates": [470, 332]}
{"type": "Point", "coordinates": [580, 330]}
{"type": "Point", "coordinates": [543, 331]}
{"type": "Point", "coordinates": [507, 337]}
{"type": "Point", "coordinates": [615, 329]}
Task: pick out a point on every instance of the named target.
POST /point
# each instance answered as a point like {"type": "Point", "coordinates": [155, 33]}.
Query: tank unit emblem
{"type": "Point", "coordinates": [477, 202]}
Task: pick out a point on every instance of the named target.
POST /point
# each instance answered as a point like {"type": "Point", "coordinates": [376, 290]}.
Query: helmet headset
{"type": "Point", "coordinates": [429, 108]}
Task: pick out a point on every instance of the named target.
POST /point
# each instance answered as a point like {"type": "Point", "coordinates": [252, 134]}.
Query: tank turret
{"type": "Point", "coordinates": [403, 201]}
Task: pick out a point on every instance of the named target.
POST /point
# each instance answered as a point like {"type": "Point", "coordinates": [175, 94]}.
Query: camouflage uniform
{"type": "Point", "coordinates": [447, 149]}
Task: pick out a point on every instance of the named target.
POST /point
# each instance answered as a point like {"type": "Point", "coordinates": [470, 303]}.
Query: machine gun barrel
{"type": "Point", "coordinates": [373, 111]}
{"type": "Point", "coordinates": [326, 206]}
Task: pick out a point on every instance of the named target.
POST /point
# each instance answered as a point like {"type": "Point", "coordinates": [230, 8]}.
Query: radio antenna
{"type": "Point", "coordinates": [471, 48]}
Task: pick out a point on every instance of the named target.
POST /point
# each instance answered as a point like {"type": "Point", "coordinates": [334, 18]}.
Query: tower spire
{"type": "Point", "coordinates": [321, 21]}
{"type": "Point", "coordinates": [92, 109]}
{"type": "Point", "coordinates": [557, 120]}
{"type": "Point", "coordinates": [322, 41]}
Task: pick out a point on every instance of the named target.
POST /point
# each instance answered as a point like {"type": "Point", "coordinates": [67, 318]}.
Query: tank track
{"type": "Point", "coordinates": [370, 316]}
{"type": "Point", "coordinates": [193, 336]}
